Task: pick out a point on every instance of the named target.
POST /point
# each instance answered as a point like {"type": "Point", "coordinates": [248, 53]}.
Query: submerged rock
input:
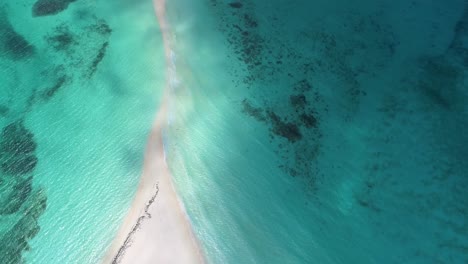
{"type": "Point", "coordinates": [308, 120]}
{"type": "Point", "coordinates": [255, 112]}
{"type": "Point", "coordinates": [17, 148]}
{"type": "Point", "coordinates": [97, 60]}
{"type": "Point", "coordinates": [235, 4]}
{"type": "Point", "coordinates": [51, 91]}
{"type": "Point", "coordinates": [62, 38]}
{"type": "Point", "coordinates": [15, 240]}
{"type": "Point", "coordinates": [103, 29]}
{"type": "Point", "coordinates": [16, 139]}
{"type": "Point", "coordinates": [14, 194]}
{"type": "Point", "coordinates": [12, 44]}
{"type": "Point", "coordinates": [285, 129]}
{"type": "Point", "coordinates": [299, 101]}
{"type": "Point", "coordinates": [19, 165]}
{"type": "Point", "coordinates": [16, 46]}
{"type": "Point", "coordinates": [50, 7]}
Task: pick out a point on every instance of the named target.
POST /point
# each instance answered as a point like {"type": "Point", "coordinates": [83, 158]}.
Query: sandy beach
{"type": "Point", "coordinates": [156, 228]}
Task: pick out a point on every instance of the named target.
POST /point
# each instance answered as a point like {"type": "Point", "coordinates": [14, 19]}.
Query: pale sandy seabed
{"type": "Point", "coordinates": [156, 228]}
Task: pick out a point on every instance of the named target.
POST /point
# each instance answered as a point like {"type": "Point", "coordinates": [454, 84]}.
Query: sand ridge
{"type": "Point", "coordinates": [156, 229]}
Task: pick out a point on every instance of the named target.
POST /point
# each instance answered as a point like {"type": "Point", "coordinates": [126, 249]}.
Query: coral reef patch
{"type": "Point", "coordinates": [13, 45]}
{"type": "Point", "coordinates": [50, 7]}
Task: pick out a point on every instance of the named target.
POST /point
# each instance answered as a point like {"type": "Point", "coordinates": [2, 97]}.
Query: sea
{"type": "Point", "coordinates": [80, 85]}
{"type": "Point", "coordinates": [322, 131]}
{"type": "Point", "coordinates": [307, 131]}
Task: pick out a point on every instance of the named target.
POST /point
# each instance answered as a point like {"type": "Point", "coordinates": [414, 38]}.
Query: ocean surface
{"type": "Point", "coordinates": [80, 84]}
{"type": "Point", "coordinates": [322, 131]}
{"type": "Point", "coordinates": [329, 132]}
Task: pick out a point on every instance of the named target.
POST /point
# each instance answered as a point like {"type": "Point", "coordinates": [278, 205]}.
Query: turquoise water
{"type": "Point", "coordinates": [298, 131]}
{"type": "Point", "coordinates": [322, 131]}
{"type": "Point", "coordinates": [81, 81]}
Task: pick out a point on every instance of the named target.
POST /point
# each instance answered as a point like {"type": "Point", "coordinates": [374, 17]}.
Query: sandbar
{"type": "Point", "coordinates": [156, 228]}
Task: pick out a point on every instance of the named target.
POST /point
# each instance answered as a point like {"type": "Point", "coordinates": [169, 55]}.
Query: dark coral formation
{"type": "Point", "coordinates": [78, 51]}
{"type": "Point", "coordinates": [17, 140]}
{"type": "Point", "coordinates": [14, 193]}
{"type": "Point", "coordinates": [292, 123]}
{"type": "Point", "coordinates": [62, 38]}
{"type": "Point", "coordinates": [17, 195]}
{"type": "Point", "coordinates": [51, 91]}
{"type": "Point", "coordinates": [308, 120]}
{"type": "Point", "coordinates": [103, 29]}
{"type": "Point", "coordinates": [82, 50]}
{"type": "Point", "coordinates": [299, 101]}
{"type": "Point", "coordinates": [98, 59]}
{"type": "Point", "coordinates": [12, 44]}
{"type": "Point", "coordinates": [15, 241]}
{"type": "Point", "coordinates": [16, 46]}
{"type": "Point", "coordinates": [18, 160]}
{"type": "Point", "coordinates": [50, 7]}
{"type": "Point", "coordinates": [283, 128]}
{"type": "Point", "coordinates": [19, 165]}
{"type": "Point", "coordinates": [279, 126]}
{"type": "Point", "coordinates": [341, 58]}
{"type": "Point", "coordinates": [253, 111]}
{"type": "Point", "coordinates": [235, 4]}
{"type": "Point", "coordinates": [319, 83]}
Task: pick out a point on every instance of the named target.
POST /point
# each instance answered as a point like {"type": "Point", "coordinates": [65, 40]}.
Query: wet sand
{"type": "Point", "coordinates": [156, 229]}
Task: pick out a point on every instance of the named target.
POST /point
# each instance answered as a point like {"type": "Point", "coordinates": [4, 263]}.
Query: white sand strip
{"type": "Point", "coordinates": [156, 229]}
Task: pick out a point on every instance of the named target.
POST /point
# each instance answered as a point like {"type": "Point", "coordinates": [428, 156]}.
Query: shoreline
{"type": "Point", "coordinates": [156, 227]}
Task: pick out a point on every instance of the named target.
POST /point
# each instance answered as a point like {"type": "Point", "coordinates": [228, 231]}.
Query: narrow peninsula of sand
{"type": "Point", "coordinates": [156, 229]}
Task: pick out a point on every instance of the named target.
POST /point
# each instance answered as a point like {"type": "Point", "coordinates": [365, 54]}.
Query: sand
{"type": "Point", "coordinates": [156, 229]}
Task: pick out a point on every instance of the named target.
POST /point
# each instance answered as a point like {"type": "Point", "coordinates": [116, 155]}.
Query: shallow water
{"type": "Point", "coordinates": [81, 81]}
{"type": "Point", "coordinates": [299, 132]}
{"type": "Point", "coordinates": [322, 131]}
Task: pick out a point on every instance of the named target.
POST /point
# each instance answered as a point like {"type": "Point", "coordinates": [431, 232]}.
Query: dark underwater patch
{"type": "Point", "coordinates": [17, 140]}
{"type": "Point", "coordinates": [439, 82]}
{"type": "Point", "coordinates": [302, 86]}
{"type": "Point", "coordinates": [17, 148]}
{"type": "Point", "coordinates": [51, 91]}
{"type": "Point", "coordinates": [298, 101]}
{"type": "Point", "coordinates": [308, 120]}
{"type": "Point", "coordinates": [18, 160]}
{"type": "Point", "coordinates": [103, 29]}
{"type": "Point", "coordinates": [16, 196]}
{"type": "Point", "coordinates": [98, 59]}
{"type": "Point", "coordinates": [283, 128]}
{"type": "Point", "coordinates": [19, 165]}
{"type": "Point", "coordinates": [235, 4]}
{"type": "Point", "coordinates": [62, 38]}
{"type": "Point", "coordinates": [50, 7]}
{"type": "Point", "coordinates": [255, 112]}
{"type": "Point", "coordinates": [16, 46]}
{"type": "Point", "coordinates": [293, 118]}
{"type": "Point", "coordinates": [12, 44]}
{"type": "Point", "coordinates": [4, 110]}
{"type": "Point", "coordinates": [15, 240]}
